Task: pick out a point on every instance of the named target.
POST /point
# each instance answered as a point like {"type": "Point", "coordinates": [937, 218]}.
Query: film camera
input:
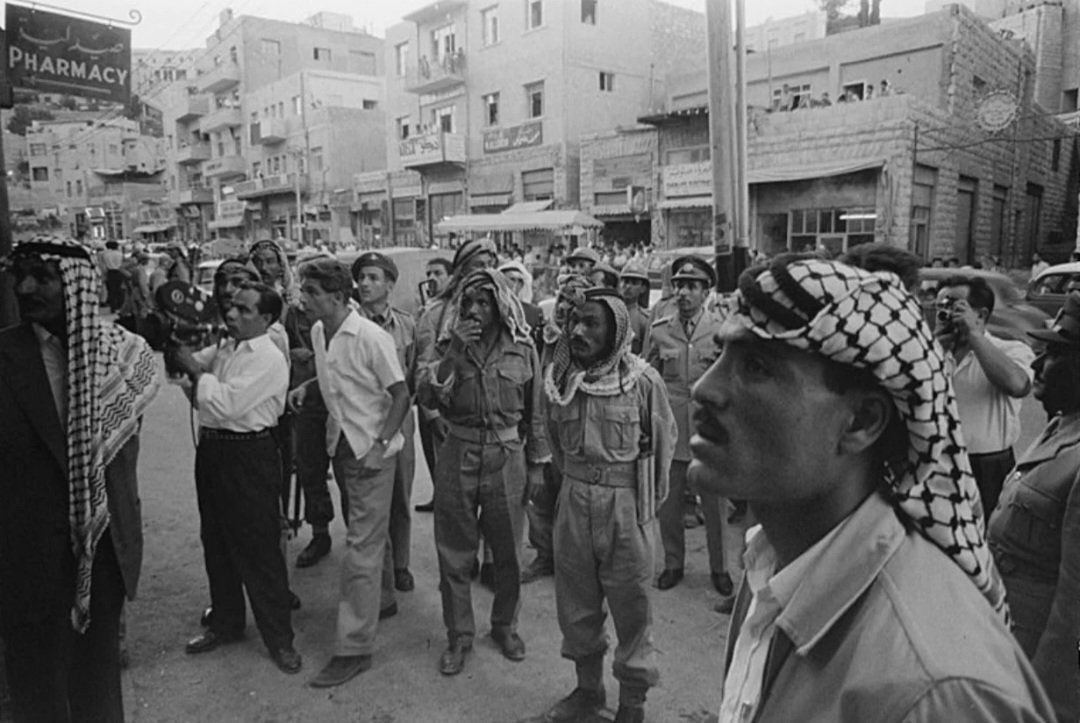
{"type": "Point", "coordinates": [186, 316]}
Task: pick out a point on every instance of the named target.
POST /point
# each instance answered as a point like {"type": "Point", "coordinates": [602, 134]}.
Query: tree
{"type": "Point", "coordinates": [23, 115]}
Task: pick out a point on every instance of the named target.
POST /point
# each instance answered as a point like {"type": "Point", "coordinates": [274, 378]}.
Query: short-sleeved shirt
{"type": "Point", "coordinates": [354, 373]}
{"type": "Point", "coordinates": [989, 416]}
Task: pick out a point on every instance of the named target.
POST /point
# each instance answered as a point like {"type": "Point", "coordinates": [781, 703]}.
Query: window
{"type": "Point", "coordinates": [274, 164]}
{"type": "Point", "coordinates": [1055, 155]}
{"type": "Point", "coordinates": [922, 202]}
{"type": "Point", "coordinates": [534, 95]}
{"type": "Point", "coordinates": [270, 48]}
{"type": "Point", "coordinates": [296, 109]}
{"type": "Point", "coordinates": [978, 84]}
{"type": "Point", "coordinates": [443, 43]}
{"type": "Point", "coordinates": [401, 58]}
{"type": "Point", "coordinates": [256, 169]}
{"type": "Point", "coordinates": [489, 25]}
{"type": "Point", "coordinates": [234, 58]}
{"type": "Point", "coordinates": [538, 185]}
{"type": "Point", "coordinates": [1072, 98]}
{"type": "Point", "coordinates": [402, 124]}
{"type": "Point", "coordinates": [78, 186]}
{"type": "Point", "coordinates": [607, 82]}
{"type": "Point", "coordinates": [281, 109]}
{"type": "Point", "coordinates": [38, 149]}
{"type": "Point", "coordinates": [41, 173]}
{"type": "Point", "coordinates": [491, 109]}
{"type": "Point", "coordinates": [369, 104]}
{"type": "Point", "coordinates": [687, 155]}
{"type": "Point", "coordinates": [588, 12]}
{"type": "Point", "coordinates": [998, 218]}
{"type": "Point", "coordinates": [1033, 212]}
{"type": "Point", "coordinates": [69, 189]}
{"type": "Point", "coordinates": [443, 119]}
{"type": "Point", "coordinates": [534, 14]}
{"type": "Point", "coordinates": [322, 54]}
{"type": "Point", "coordinates": [254, 118]}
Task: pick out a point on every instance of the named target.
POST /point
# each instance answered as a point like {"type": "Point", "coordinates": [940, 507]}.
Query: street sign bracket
{"type": "Point", "coordinates": [135, 17]}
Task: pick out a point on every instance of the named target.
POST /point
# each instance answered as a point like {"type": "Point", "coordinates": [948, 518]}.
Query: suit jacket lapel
{"type": "Point", "coordinates": [25, 373]}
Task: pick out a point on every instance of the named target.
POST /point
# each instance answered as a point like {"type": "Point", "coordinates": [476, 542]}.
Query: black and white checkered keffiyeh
{"type": "Point", "coordinates": [111, 379]}
{"type": "Point", "coordinates": [869, 321]}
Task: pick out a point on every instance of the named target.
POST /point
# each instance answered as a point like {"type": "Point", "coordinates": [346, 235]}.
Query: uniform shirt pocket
{"type": "Point", "coordinates": [621, 430]}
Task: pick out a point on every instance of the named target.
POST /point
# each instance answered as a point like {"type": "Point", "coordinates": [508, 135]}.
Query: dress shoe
{"type": "Point", "coordinates": [317, 549]}
{"type": "Point", "coordinates": [388, 612]}
{"type": "Point", "coordinates": [428, 506]}
{"type": "Point", "coordinates": [340, 669]}
{"type": "Point", "coordinates": [725, 606]}
{"type": "Point", "coordinates": [536, 570]}
{"type": "Point", "coordinates": [452, 661]}
{"type": "Point", "coordinates": [669, 578]}
{"type": "Point", "coordinates": [628, 714]}
{"type": "Point", "coordinates": [511, 644]}
{"type": "Point", "coordinates": [210, 641]}
{"type": "Point", "coordinates": [294, 601]}
{"type": "Point", "coordinates": [487, 575]}
{"type": "Point", "coordinates": [578, 706]}
{"type": "Point", "coordinates": [286, 659]}
{"type": "Point", "coordinates": [207, 613]}
{"type": "Point", "coordinates": [723, 584]}
{"type": "Point", "coordinates": [403, 580]}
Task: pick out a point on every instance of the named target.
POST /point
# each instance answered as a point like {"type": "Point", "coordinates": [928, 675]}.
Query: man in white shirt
{"type": "Point", "coordinates": [363, 387]}
{"type": "Point", "coordinates": [239, 388]}
{"type": "Point", "coordinates": [990, 376]}
{"type": "Point", "coordinates": [870, 593]}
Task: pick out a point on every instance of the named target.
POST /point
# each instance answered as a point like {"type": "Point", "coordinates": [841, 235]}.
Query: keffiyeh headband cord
{"type": "Point", "coordinates": [868, 321]}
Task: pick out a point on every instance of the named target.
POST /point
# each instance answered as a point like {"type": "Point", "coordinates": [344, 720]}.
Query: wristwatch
{"type": "Point", "coordinates": [384, 442]}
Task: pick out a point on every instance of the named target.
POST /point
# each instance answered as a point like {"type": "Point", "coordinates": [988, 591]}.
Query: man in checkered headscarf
{"type": "Point", "coordinates": [869, 591]}
{"type": "Point", "coordinates": [73, 389]}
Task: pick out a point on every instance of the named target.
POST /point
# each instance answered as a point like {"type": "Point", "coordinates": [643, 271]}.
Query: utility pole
{"type": "Point", "coordinates": [742, 149]}
{"type": "Point", "coordinates": [721, 133]}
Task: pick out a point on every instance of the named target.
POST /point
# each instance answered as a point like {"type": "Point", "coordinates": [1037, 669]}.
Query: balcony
{"type": "Point", "coordinates": [220, 79]}
{"type": "Point", "coordinates": [278, 184]}
{"type": "Point", "coordinates": [432, 149]}
{"type": "Point", "coordinates": [436, 76]}
{"type": "Point", "coordinates": [1070, 119]}
{"type": "Point", "coordinates": [220, 119]}
{"type": "Point", "coordinates": [193, 153]}
{"type": "Point", "coordinates": [193, 106]}
{"type": "Point", "coordinates": [269, 131]}
{"type": "Point", "coordinates": [224, 167]}
{"type": "Point", "coordinates": [195, 195]}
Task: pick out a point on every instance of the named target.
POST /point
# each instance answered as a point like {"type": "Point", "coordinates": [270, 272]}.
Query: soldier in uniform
{"type": "Point", "coordinates": [613, 436]}
{"type": "Point", "coordinates": [681, 346]}
{"type": "Point", "coordinates": [634, 287]}
{"type": "Point", "coordinates": [582, 260]}
{"type": "Point", "coordinates": [375, 275]}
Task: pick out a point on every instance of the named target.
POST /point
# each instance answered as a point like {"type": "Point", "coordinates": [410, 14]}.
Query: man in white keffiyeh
{"type": "Point", "coordinates": [869, 592]}
{"type": "Point", "coordinates": [73, 388]}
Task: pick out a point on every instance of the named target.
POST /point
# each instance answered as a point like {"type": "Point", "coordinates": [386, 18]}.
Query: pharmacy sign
{"type": "Point", "coordinates": [53, 53]}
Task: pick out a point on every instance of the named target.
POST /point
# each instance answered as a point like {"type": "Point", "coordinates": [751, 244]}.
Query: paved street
{"type": "Point", "coordinates": [240, 683]}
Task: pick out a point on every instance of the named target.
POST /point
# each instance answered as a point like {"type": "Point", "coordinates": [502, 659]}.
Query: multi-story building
{"type": "Point", "coordinates": [153, 69]}
{"type": "Point", "coordinates": [96, 173]}
{"type": "Point", "coordinates": [957, 159]}
{"type": "Point", "coordinates": [265, 138]}
{"type": "Point", "coordinates": [487, 101]}
{"type": "Point", "coordinates": [770, 34]}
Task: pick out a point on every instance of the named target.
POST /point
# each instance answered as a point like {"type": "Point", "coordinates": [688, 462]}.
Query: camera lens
{"type": "Point", "coordinates": [944, 314]}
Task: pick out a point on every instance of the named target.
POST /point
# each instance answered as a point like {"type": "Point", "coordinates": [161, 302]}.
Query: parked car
{"type": "Point", "coordinates": [1013, 316]}
{"type": "Point", "coordinates": [204, 275]}
{"type": "Point", "coordinates": [1047, 290]}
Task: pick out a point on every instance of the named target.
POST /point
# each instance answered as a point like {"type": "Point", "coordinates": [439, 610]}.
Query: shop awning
{"type": "Point", "coordinates": [489, 199]}
{"type": "Point", "coordinates": [528, 206]}
{"type": "Point", "coordinates": [804, 171]}
{"type": "Point", "coordinates": [686, 202]}
{"type": "Point", "coordinates": [570, 221]}
{"type": "Point", "coordinates": [154, 227]}
{"type": "Point", "coordinates": [232, 222]}
{"type": "Point", "coordinates": [613, 209]}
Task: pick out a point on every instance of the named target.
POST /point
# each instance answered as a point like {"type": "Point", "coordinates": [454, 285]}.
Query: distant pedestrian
{"type": "Point", "coordinates": [112, 260]}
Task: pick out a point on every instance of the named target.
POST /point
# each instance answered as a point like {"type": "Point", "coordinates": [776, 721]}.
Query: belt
{"type": "Point", "coordinates": [479, 435]}
{"type": "Point", "coordinates": [229, 435]}
{"type": "Point", "coordinates": [611, 474]}
{"type": "Point", "coordinates": [989, 455]}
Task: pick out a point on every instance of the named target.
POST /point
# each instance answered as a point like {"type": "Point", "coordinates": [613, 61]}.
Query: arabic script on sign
{"type": "Point", "coordinates": [508, 139]}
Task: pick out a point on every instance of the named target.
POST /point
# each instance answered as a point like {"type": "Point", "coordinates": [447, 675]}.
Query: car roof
{"type": "Point", "coordinates": [1071, 267]}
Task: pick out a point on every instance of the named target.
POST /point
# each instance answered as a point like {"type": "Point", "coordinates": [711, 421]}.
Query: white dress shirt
{"type": "Point", "coordinates": [354, 373]}
{"type": "Point", "coordinates": [54, 355]}
{"type": "Point", "coordinates": [244, 387]}
{"type": "Point", "coordinates": [990, 417]}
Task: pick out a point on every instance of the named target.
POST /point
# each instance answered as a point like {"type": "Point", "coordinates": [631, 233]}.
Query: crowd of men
{"type": "Point", "coordinates": [882, 552]}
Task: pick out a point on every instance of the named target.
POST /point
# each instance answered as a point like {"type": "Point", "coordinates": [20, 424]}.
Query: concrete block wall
{"type": "Point", "coordinates": [1042, 28]}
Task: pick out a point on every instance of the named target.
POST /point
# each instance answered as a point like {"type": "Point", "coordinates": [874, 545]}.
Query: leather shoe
{"type": "Point", "coordinates": [388, 612]}
{"type": "Point", "coordinates": [487, 575]}
{"type": "Point", "coordinates": [511, 644]}
{"type": "Point", "coordinates": [210, 641]}
{"type": "Point", "coordinates": [723, 584]}
{"type": "Point", "coordinates": [628, 714]}
{"type": "Point", "coordinates": [341, 669]}
{"type": "Point", "coordinates": [452, 661]}
{"type": "Point", "coordinates": [669, 578]}
{"type": "Point", "coordinates": [578, 706]}
{"type": "Point", "coordinates": [403, 580]}
{"type": "Point", "coordinates": [207, 615]}
{"type": "Point", "coordinates": [428, 506]}
{"type": "Point", "coordinates": [536, 570]}
{"type": "Point", "coordinates": [287, 659]}
{"type": "Point", "coordinates": [317, 549]}
{"type": "Point", "coordinates": [725, 606]}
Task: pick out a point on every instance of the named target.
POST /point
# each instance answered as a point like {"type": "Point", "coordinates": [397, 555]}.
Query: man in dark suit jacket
{"type": "Point", "coordinates": [72, 389]}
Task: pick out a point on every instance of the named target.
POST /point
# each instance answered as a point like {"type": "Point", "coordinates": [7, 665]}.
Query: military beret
{"type": "Point", "coordinates": [374, 258]}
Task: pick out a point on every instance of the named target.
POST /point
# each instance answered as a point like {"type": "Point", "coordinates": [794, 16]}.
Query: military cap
{"type": "Point", "coordinates": [611, 277]}
{"type": "Point", "coordinates": [583, 253]}
{"type": "Point", "coordinates": [693, 268]}
{"type": "Point", "coordinates": [1066, 327]}
{"type": "Point", "coordinates": [374, 258]}
{"type": "Point", "coordinates": [634, 270]}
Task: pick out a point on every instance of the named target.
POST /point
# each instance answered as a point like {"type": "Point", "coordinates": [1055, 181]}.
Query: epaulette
{"type": "Point", "coordinates": [662, 320]}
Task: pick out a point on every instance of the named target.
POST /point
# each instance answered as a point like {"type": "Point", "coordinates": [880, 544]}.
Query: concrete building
{"type": "Point", "coordinates": [958, 160]}
{"type": "Point", "coordinates": [96, 174]}
{"type": "Point", "coordinates": [152, 70]}
{"type": "Point", "coordinates": [770, 34]}
{"type": "Point", "coordinates": [487, 101]}
{"type": "Point", "coordinates": [265, 139]}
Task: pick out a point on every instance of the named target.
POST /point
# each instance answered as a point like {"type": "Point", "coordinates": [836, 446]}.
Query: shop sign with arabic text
{"type": "Point", "coordinates": [509, 139]}
{"type": "Point", "coordinates": [54, 53]}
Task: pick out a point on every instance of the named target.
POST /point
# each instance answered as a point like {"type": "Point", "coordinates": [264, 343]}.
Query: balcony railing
{"type": "Point", "coordinates": [194, 106]}
{"type": "Point", "coordinates": [224, 77]}
{"type": "Point", "coordinates": [195, 195]}
{"type": "Point", "coordinates": [435, 75]}
{"type": "Point", "coordinates": [221, 118]}
{"type": "Point", "coordinates": [269, 131]}
{"type": "Point", "coordinates": [277, 184]}
{"type": "Point", "coordinates": [193, 153]}
{"type": "Point", "coordinates": [224, 167]}
{"type": "Point", "coordinates": [432, 149]}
